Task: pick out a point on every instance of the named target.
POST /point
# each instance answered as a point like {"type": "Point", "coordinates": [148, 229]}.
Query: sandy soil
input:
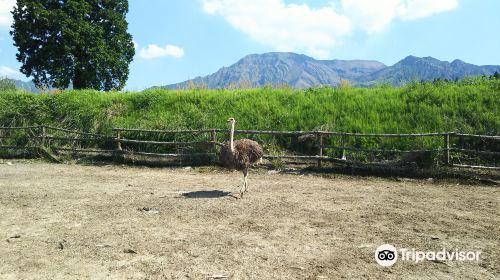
{"type": "Point", "coordinates": [115, 222]}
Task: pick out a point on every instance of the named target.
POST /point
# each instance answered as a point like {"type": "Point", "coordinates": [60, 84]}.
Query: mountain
{"type": "Point", "coordinates": [301, 71]}
{"type": "Point", "coordinates": [292, 69]}
{"type": "Point", "coordinates": [427, 68]}
{"type": "Point", "coordinates": [27, 86]}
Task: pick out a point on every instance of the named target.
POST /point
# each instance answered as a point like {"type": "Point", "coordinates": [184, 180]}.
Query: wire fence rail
{"type": "Point", "coordinates": [125, 141]}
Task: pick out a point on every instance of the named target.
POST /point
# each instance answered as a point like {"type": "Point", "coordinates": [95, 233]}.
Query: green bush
{"type": "Point", "coordinates": [7, 85]}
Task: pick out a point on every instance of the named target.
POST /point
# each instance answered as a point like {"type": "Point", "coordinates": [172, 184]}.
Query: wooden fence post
{"type": "Point", "coordinates": [119, 143]}
{"type": "Point", "coordinates": [342, 143]}
{"type": "Point", "coordinates": [320, 140]}
{"type": "Point", "coordinates": [214, 140]}
{"type": "Point", "coordinates": [447, 148]}
{"type": "Point", "coordinates": [44, 137]}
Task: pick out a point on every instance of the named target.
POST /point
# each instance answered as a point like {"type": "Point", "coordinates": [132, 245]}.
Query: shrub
{"type": "Point", "coordinates": [7, 85]}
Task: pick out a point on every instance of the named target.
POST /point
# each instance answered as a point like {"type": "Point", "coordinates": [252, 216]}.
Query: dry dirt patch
{"type": "Point", "coordinates": [114, 222]}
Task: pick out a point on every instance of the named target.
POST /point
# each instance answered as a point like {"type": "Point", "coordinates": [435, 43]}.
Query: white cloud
{"type": "Point", "coordinates": [370, 16]}
{"type": "Point", "coordinates": [285, 27]}
{"type": "Point", "coordinates": [154, 51]}
{"type": "Point", "coordinates": [374, 16]}
{"type": "Point", "coordinates": [6, 6]}
{"type": "Point", "coordinates": [315, 31]}
{"type": "Point", "coordinates": [9, 73]}
{"type": "Point", "coordinates": [415, 9]}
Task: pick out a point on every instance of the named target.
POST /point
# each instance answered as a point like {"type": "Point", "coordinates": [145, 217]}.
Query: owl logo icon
{"type": "Point", "coordinates": [386, 255]}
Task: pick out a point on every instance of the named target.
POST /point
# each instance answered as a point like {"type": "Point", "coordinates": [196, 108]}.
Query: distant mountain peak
{"type": "Point", "coordinates": [410, 58]}
{"type": "Point", "coordinates": [414, 59]}
{"type": "Point", "coordinates": [459, 62]}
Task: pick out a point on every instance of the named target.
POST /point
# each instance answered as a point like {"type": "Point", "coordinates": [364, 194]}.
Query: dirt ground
{"type": "Point", "coordinates": [117, 222]}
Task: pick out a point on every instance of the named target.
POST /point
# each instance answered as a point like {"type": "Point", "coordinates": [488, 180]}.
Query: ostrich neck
{"type": "Point", "coordinates": [231, 138]}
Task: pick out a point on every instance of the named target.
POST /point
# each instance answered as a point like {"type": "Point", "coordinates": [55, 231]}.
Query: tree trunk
{"type": "Point", "coordinates": [79, 79]}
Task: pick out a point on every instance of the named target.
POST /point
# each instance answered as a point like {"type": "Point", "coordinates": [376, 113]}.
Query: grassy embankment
{"type": "Point", "coordinates": [468, 106]}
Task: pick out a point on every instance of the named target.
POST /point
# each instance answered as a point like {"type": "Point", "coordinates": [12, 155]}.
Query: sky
{"type": "Point", "coordinates": [180, 40]}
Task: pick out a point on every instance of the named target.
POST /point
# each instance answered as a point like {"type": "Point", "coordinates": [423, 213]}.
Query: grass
{"type": "Point", "coordinates": [468, 106]}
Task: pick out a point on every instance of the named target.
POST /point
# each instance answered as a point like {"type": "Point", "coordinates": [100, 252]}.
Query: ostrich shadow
{"type": "Point", "coordinates": [208, 194]}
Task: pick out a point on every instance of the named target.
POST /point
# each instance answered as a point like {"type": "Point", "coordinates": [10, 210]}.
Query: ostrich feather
{"type": "Point", "coordinates": [246, 153]}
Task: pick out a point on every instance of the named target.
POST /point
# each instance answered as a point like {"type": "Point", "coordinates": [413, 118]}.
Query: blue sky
{"type": "Point", "coordinates": [179, 40]}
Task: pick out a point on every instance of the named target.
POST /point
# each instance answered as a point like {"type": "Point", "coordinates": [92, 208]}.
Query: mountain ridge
{"type": "Point", "coordinates": [23, 85]}
{"type": "Point", "coordinates": [301, 71]}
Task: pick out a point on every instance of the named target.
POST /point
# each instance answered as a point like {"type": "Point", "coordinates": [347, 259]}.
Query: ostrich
{"type": "Point", "coordinates": [240, 155]}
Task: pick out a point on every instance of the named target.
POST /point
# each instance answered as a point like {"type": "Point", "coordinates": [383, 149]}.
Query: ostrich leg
{"type": "Point", "coordinates": [245, 173]}
{"type": "Point", "coordinates": [244, 185]}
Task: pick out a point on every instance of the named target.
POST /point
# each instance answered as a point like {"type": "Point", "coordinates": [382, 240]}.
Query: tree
{"type": "Point", "coordinates": [80, 42]}
{"type": "Point", "coordinates": [496, 75]}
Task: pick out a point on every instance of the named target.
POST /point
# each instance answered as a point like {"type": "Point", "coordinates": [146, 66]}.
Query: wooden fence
{"type": "Point", "coordinates": [124, 141]}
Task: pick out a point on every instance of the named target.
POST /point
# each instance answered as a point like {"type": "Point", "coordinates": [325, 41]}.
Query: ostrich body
{"type": "Point", "coordinates": [240, 155]}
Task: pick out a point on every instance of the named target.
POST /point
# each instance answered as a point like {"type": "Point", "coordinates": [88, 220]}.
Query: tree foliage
{"type": "Point", "coordinates": [80, 42]}
{"type": "Point", "coordinates": [496, 75]}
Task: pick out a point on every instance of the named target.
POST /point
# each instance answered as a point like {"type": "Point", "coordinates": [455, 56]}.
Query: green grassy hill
{"type": "Point", "coordinates": [469, 106]}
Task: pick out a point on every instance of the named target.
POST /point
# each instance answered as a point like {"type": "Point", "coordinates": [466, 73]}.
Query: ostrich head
{"type": "Point", "coordinates": [231, 121]}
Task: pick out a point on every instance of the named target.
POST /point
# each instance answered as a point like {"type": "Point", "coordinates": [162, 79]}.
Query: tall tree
{"type": "Point", "coordinates": [79, 42]}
